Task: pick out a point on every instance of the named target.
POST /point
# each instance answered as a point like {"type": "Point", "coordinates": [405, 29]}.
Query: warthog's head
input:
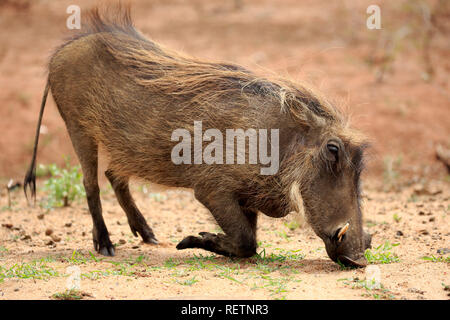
{"type": "Point", "coordinates": [330, 191]}
{"type": "Point", "coordinates": [324, 173]}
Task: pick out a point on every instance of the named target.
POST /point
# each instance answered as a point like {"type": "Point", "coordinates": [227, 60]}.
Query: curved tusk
{"type": "Point", "coordinates": [342, 231]}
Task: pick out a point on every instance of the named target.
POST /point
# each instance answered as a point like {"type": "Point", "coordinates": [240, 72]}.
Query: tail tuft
{"type": "Point", "coordinates": [30, 182]}
{"type": "Point", "coordinates": [30, 177]}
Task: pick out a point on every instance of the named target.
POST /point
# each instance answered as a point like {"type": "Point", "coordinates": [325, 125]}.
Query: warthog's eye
{"type": "Point", "coordinates": [333, 148]}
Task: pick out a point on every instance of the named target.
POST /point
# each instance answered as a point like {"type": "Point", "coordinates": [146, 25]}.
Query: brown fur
{"type": "Point", "coordinates": [115, 88]}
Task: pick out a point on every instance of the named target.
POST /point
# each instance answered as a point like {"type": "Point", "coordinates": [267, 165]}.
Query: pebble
{"type": "Point", "coordinates": [399, 233]}
{"type": "Point", "coordinates": [40, 216]}
{"type": "Point", "coordinates": [55, 238]}
{"type": "Point", "coordinates": [48, 232]}
{"type": "Point", "coordinates": [443, 250]}
{"type": "Point", "coordinates": [422, 190]}
{"type": "Point", "coordinates": [26, 237]}
{"type": "Point", "coordinates": [414, 290]}
{"type": "Point", "coordinates": [68, 224]}
{"type": "Point", "coordinates": [121, 241]}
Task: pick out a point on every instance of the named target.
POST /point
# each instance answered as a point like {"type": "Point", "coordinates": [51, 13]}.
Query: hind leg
{"type": "Point", "coordinates": [86, 150]}
{"type": "Point", "coordinates": [238, 224]}
{"type": "Point", "coordinates": [135, 219]}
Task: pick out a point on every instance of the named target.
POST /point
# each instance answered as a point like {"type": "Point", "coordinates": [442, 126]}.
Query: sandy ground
{"type": "Point", "coordinates": [40, 244]}
{"type": "Point", "coordinates": [325, 43]}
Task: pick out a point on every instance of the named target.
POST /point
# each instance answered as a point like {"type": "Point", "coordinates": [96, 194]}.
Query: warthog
{"type": "Point", "coordinates": [116, 89]}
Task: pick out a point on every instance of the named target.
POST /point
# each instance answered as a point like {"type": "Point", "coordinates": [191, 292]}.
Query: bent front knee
{"type": "Point", "coordinates": [246, 250]}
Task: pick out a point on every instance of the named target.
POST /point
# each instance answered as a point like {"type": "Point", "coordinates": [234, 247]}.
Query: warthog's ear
{"type": "Point", "coordinates": [307, 118]}
{"type": "Point", "coordinates": [301, 113]}
{"type": "Point", "coordinates": [314, 121]}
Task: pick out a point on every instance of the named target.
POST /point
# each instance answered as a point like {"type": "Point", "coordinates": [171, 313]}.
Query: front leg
{"type": "Point", "coordinates": [238, 225]}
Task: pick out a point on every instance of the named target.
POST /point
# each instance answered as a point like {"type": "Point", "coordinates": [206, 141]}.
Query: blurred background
{"type": "Point", "coordinates": [394, 82]}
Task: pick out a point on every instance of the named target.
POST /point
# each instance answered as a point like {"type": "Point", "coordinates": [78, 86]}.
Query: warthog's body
{"type": "Point", "coordinates": [116, 89]}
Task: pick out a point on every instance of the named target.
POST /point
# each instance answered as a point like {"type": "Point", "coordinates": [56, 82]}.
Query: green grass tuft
{"type": "Point", "coordinates": [436, 259]}
{"type": "Point", "coordinates": [382, 254]}
{"type": "Point", "coordinates": [64, 186]}
{"type": "Point", "coordinates": [34, 270]}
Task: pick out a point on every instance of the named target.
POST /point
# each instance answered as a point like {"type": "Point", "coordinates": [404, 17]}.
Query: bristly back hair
{"type": "Point", "coordinates": [176, 74]}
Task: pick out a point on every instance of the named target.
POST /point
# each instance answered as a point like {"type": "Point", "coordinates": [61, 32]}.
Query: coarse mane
{"type": "Point", "coordinates": [173, 73]}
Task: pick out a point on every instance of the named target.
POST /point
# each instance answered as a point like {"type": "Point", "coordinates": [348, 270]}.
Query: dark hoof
{"type": "Point", "coordinates": [188, 242]}
{"type": "Point", "coordinates": [104, 247]}
{"type": "Point", "coordinates": [151, 240]}
{"type": "Point", "coordinates": [146, 235]}
{"type": "Point", "coordinates": [149, 237]}
{"type": "Point", "coordinates": [107, 251]}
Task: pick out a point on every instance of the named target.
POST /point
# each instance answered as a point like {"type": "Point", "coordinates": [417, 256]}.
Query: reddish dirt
{"type": "Point", "coordinates": [33, 239]}
{"type": "Point", "coordinates": [406, 116]}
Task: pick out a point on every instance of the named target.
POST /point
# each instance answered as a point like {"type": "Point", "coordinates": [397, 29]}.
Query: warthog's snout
{"type": "Point", "coordinates": [348, 247]}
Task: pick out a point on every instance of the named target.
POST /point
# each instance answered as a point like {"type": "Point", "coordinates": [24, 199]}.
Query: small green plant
{"type": "Point", "coordinates": [268, 263]}
{"type": "Point", "coordinates": [373, 289]}
{"type": "Point", "coordinates": [436, 259]}
{"type": "Point", "coordinates": [201, 262]}
{"type": "Point", "coordinates": [283, 235]}
{"type": "Point", "coordinates": [382, 254]}
{"type": "Point", "coordinates": [128, 266]}
{"type": "Point", "coordinates": [33, 270]}
{"type": "Point", "coordinates": [70, 295]}
{"type": "Point", "coordinates": [79, 258]}
{"type": "Point", "coordinates": [188, 282]}
{"type": "Point", "coordinates": [228, 272]}
{"type": "Point", "coordinates": [158, 197]}
{"type": "Point", "coordinates": [64, 186]}
{"type": "Point", "coordinates": [396, 217]}
{"type": "Point", "coordinates": [284, 255]}
{"type": "Point", "coordinates": [170, 264]}
{"type": "Point", "coordinates": [371, 223]}
{"type": "Point", "coordinates": [3, 250]}
{"type": "Point", "coordinates": [277, 287]}
{"type": "Point", "coordinates": [292, 225]}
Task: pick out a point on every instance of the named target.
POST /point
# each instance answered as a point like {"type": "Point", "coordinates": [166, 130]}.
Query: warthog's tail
{"type": "Point", "coordinates": [30, 177]}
